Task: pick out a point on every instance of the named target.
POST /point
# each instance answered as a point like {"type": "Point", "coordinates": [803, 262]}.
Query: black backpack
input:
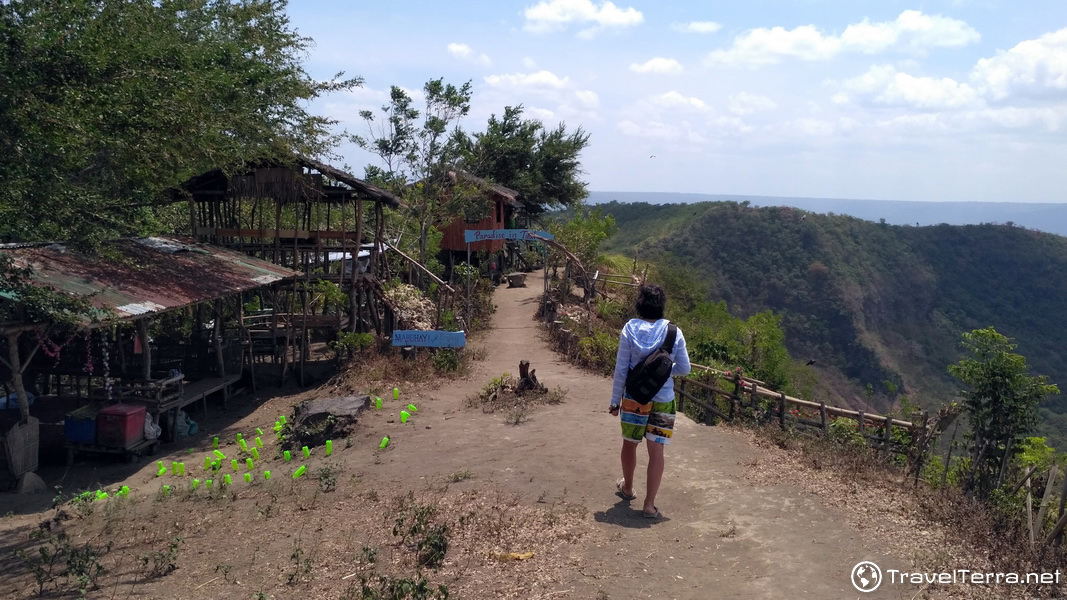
{"type": "Point", "coordinates": [645, 380]}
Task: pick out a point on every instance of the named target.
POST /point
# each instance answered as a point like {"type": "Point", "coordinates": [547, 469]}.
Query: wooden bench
{"type": "Point", "coordinates": [201, 389]}
{"type": "Point", "coordinates": [142, 448]}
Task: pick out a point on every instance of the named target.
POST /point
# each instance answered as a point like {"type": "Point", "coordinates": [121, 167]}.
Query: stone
{"type": "Point", "coordinates": [31, 483]}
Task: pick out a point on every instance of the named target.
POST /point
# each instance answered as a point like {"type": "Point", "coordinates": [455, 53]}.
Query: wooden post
{"type": "Point", "coordinates": [15, 364]}
{"type": "Point", "coordinates": [245, 335]}
{"type": "Point", "coordinates": [1004, 463]}
{"type": "Point", "coordinates": [861, 425]}
{"type": "Point", "coordinates": [1029, 510]}
{"type": "Point", "coordinates": [146, 348]}
{"type": "Point", "coordinates": [887, 434]}
{"type": "Point", "coordinates": [1062, 513]}
{"type": "Point", "coordinates": [822, 419]}
{"type": "Point", "coordinates": [948, 457]}
{"type": "Point", "coordinates": [781, 410]}
{"type": "Point", "coordinates": [304, 295]}
{"type": "Point", "coordinates": [217, 333]}
{"type": "Point", "coordinates": [926, 438]}
{"type": "Point", "coordinates": [1043, 510]}
{"type": "Point", "coordinates": [274, 305]}
{"type": "Point", "coordinates": [735, 397]}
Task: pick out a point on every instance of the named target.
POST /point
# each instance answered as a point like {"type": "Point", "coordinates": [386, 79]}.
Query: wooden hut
{"type": "Point", "coordinates": [127, 350]}
{"type": "Point", "coordinates": [310, 217]}
{"type": "Point", "coordinates": [504, 203]}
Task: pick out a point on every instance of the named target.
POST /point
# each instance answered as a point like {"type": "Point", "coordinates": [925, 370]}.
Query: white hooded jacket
{"type": "Point", "coordinates": [637, 340]}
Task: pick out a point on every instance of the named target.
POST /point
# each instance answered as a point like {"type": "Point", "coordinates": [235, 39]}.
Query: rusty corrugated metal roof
{"type": "Point", "coordinates": [152, 274]}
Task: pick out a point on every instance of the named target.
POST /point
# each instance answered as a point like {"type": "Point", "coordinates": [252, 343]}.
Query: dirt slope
{"type": "Point", "coordinates": [724, 536]}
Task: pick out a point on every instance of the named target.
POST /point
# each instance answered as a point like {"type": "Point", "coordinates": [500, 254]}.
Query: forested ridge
{"type": "Point", "coordinates": [869, 302]}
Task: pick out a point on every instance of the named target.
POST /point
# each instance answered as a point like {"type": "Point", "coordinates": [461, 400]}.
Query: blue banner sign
{"type": "Point", "coordinates": [485, 235]}
{"type": "Point", "coordinates": [429, 339]}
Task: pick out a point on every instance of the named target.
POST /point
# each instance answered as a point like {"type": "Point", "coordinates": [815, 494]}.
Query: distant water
{"type": "Point", "coordinates": [1051, 218]}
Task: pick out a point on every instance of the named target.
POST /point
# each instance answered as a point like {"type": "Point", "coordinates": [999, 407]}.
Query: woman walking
{"type": "Point", "coordinates": [654, 421]}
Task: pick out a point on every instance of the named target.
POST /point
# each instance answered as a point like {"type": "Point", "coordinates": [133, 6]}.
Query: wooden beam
{"type": "Point", "coordinates": [419, 266]}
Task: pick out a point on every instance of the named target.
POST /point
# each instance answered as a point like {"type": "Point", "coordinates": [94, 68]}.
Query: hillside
{"type": "Point", "coordinates": [1048, 217]}
{"type": "Point", "coordinates": [870, 302]}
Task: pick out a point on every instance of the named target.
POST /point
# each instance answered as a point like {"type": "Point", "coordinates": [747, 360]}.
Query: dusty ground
{"type": "Point", "coordinates": [545, 486]}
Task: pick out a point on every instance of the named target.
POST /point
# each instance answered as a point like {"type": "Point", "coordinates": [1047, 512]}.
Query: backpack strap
{"type": "Point", "coordinates": [668, 343]}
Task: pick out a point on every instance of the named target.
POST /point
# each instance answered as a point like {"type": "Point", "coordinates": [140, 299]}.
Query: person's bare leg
{"type": "Point", "coordinates": [655, 474]}
{"type": "Point", "coordinates": [629, 465]}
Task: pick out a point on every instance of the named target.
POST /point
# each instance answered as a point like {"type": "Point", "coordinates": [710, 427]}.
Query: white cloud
{"type": "Point", "coordinates": [587, 98]}
{"type": "Point", "coordinates": [539, 79]}
{"type": "Point", "coordinates": [529, 63]}
{"type": "Point", "coordinates": [542, 114]}
{"type": "Point", "coordinates": [657, 65]}
{"type": "Point", "coordinates": [467, 53]}
{"type": "Point", "coordinates": [556, 15]}
{"type": "Point", "coordinates": [768, 46]}
{"type": "Point", "coordinates": [675, 100]}
{"type": "Point", "coordinates": [885, 85]}
{"type": "Point", "coordinates": [697, 27]}
{"type": "Point", "coordinates": [912, 31]}
{"type": "Point", "coordinates": [743, 103]}
{"type": "Point", "coordinates": [1034, 68]}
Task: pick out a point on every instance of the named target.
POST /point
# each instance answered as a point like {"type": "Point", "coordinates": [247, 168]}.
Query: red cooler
{"type": "Point", "coordinates": [120, 425]}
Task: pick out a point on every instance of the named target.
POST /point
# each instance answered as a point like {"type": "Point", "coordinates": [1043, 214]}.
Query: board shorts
{"type": "Point", "coordinates": [653, 421]}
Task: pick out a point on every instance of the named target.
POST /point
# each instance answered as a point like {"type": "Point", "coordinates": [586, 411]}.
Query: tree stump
{"type": "Point", "coordinates": [516, 280]}
{"type": "Point", "coordinates": [528, 379]}
{"type": "Point", "coordinates": [316, 421]}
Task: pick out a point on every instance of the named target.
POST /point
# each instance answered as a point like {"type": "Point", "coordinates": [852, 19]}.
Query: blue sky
{"type": "Point", "coordinates": [950, 100]}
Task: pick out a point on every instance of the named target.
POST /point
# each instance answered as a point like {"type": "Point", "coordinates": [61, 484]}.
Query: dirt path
{"type": "Point", "coordinates": [722, 537]}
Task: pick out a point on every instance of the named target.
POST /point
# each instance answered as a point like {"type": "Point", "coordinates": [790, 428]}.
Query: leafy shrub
{"type": "Point", "coordinates": [348, 343]}
{"type": "Point", "coordinates": [845, 431]}
{"type": "Point", "coordinates": [446, 360]}
{"type": "Point", "coordinates": [598, 351]}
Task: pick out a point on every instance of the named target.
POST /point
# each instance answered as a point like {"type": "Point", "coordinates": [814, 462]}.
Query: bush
{"type": "Point", "coordinates": [446, 360]}
{"type": "Point", "coordinates": [598, 351]}
{"type": "Point", "coordinates": [348, 343]}
{"type": "Point", "coordinates": [845, 431]}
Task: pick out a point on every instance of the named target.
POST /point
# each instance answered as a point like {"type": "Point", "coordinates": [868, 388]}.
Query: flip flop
{"type": "Point", "coordinates": [654, 515]}
{"type": "Point", "coordinates": [622, 494]}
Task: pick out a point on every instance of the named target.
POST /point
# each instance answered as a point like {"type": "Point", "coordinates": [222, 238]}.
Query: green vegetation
{"type": "Point", "coordinates": [870, 303]}
{"type": "Point", "coordinates": [541, 165]}
{"type": "Point", "coordinates": [1001, 403]}
{"type": "Point", "coordinates": [94, 92]}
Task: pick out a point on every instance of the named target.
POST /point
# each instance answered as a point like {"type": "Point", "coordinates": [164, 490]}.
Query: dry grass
{"type": "Point", "coordinates": [933, 530]}
{"type": "Point", "coordinates": [282, 536]}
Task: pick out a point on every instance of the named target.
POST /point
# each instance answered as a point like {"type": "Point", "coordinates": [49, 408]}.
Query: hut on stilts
{"type": "Point", "coordinates": [313, 218]}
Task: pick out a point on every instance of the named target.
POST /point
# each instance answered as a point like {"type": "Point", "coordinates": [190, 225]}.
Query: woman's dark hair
{"type": "Point", "coordinates": [651, 300]}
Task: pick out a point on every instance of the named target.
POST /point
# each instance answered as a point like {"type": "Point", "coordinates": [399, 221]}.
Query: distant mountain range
{"type": "Point", "coordinates": [1050, 218]}
{"type": "Point", "coordinates": [872, 302]}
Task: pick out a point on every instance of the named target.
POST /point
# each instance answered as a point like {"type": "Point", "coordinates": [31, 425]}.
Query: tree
{"type": "Point", "coordinates": [107, 105]}
{"type": "Point", "coordinates": [541, 165]}
{"type": "Point", "coordinates": [413, 147]}
{"type": "Point", "coordinates": [1001, 403]}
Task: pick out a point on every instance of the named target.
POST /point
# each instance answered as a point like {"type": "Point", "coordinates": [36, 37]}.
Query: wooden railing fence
{"type": "Point", "coordinates": [749, 399]}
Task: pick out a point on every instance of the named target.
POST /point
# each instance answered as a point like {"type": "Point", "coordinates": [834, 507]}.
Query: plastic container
{"type": "Point", "coordinates": [80, 425]}
{"type": "Point", "coordinates": [120, 425]}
